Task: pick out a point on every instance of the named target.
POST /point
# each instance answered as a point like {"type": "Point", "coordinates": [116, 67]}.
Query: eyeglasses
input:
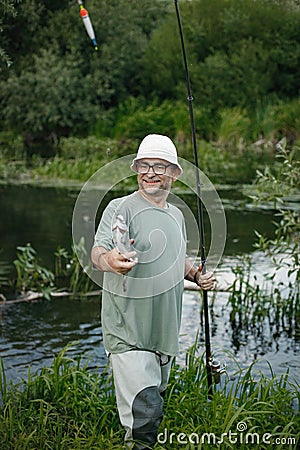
{"type": "Point", "coordinates": [158, 168]}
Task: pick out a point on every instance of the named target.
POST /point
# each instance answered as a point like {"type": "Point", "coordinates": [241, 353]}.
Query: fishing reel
{"type": "Point", "coordinates": [217, 370]}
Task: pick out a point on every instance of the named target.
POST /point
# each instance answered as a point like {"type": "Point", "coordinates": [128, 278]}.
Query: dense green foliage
{"type": "Point", "coordinates": [7, 9]}
{"type": "Point", "coordinates": [240, 52]}
{"type": "Point", "coordinates": [80, 158]}
{"type": "Point", "coordinates": [243, 59]}
{"type": "Point", "coordinates": [67, 406]}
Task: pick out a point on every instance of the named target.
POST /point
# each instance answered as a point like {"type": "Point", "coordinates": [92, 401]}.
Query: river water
{"type": "Point", "coordinates": [32, 333]}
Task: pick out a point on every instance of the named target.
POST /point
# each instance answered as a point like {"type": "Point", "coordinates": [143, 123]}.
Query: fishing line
{"type": "Point", "coordinates": [199, 206]}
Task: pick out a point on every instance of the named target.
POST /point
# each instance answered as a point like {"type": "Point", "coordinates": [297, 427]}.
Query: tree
{"type": "Point", "coordinates": [281, 188]}
{"type": "Point", "coordinates": [238, 52]}
{"type": "Point", "coordinates": [7, 9]}
{"type": "Point", "coordinates": [49, 99]}
{"type": "Point", "coordinates": [57, 82]}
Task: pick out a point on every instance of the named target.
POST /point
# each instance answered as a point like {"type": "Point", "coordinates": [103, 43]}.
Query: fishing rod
{"type": "Point", "coordinates": [212, 367]}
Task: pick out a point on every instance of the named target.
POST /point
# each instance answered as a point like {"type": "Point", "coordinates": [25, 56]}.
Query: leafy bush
{"type": "Point", "coordinates": [69, 275]}
{"type": "Point", "coordinates": [234, 127]}
{"type": "Point", "coordinates": [30, 274]}
{"type": "Point", "coordinates": [62, 99]}
{"type": "Point", "coordinates": [239, 52]}
{"type": "Point", "coordinates": [11, 146]}
{"type": "Point", "coordinates": [280, 186]}
{"type": "Point", "coordinates": [57, 84]}
{"type": "Point", "coordinates": [87, 148]}
{"type": "Point", "coordinates": [287, 117]}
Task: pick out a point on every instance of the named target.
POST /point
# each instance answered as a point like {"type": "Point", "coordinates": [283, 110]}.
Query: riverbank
{"type": "Point", "coordinates": [68, 406]}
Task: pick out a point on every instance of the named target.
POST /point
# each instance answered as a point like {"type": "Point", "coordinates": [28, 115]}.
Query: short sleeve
{"type": "Point", "coordinates": [103, 236]}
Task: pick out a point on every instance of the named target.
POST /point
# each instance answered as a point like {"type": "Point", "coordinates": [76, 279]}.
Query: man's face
{"type": "Point", "coordinates": [155, 175]}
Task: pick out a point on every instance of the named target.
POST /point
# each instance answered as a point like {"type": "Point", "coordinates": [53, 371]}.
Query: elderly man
{"type": "Point", "coordinates": [143, 289]}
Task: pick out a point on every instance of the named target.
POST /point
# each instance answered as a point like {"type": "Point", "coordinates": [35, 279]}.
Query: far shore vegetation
{"type": "Point", "coordinates": [231, 157]}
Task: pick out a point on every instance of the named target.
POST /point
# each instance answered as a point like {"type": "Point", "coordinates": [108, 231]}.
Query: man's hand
{"type": "Point", "coordinates": [113, 260]}
{"type": "Point", "coordinates": [118, 262]}
{"type": "Point", "coordinates": [206, 281]}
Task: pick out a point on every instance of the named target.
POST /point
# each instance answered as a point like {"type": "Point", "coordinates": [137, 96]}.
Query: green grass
{"type": "Point", "coordinates": [64, 406]}
{"type": "Point", "coordinates": [67, 406]}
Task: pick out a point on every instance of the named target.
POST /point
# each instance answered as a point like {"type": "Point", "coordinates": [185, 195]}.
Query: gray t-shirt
{"type": "Point", "coordinates": [146, 313]}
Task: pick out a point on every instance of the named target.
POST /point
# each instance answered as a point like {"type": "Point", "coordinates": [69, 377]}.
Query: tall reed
{"type": "Point", "coordinates": [67, 406]}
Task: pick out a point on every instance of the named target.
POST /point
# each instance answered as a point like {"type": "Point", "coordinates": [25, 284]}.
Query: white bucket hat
{"type": "Point", "coordinates": [157, 146]}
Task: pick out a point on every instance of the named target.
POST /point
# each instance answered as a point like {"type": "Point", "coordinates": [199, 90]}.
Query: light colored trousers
{"type": "Point", "coordinates": [140, 379]}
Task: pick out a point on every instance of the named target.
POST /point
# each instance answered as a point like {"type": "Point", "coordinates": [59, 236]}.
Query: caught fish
{"type": "Point", "coordinates": [121, 235]}
{"type": "Point", "coordinates": [121, 240]}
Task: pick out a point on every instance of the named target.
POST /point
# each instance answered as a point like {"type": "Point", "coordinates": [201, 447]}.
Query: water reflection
{"type": "Point", "coordinates": [42, 216]}
{"type": "Point", "coordinates": [32, 333]}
